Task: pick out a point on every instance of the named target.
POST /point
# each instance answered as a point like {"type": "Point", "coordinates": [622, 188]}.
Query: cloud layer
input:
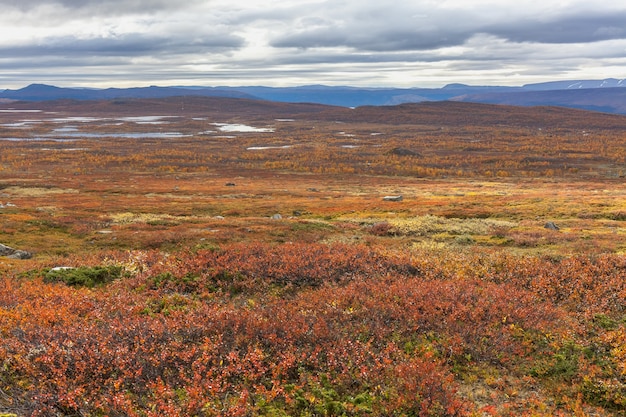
{"type": "Point", "coordinates": [293, 42]}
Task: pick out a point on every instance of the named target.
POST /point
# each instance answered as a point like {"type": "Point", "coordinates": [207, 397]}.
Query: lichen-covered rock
{"type": "Point", "coordinates": [14, 253]}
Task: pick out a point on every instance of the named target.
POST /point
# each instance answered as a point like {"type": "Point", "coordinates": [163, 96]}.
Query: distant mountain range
{"type": "Point", "coordinates": [608, 95]}
{"type": "Point", "coordinates": [43, 92]}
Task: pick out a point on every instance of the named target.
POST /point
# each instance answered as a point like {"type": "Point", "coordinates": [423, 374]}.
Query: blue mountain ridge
{"type": "Point", "coordinates": [608, 95]}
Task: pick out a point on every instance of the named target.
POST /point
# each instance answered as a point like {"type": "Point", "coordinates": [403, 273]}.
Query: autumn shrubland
{"type": "Point", "coordinates": [182, 270]}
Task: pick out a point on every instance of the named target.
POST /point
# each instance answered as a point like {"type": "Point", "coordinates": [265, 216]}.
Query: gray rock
{"type": "Point", "coordinates": [392, 198]}
{"type": "Point", "coordinates": [551, 226]}
{"type": "Point", "coordinates": [276, 217]}
{"type": "Point", "coordinates": [20, 254]}
{"type": "Point", "coordinates": [11, 253]}
{"type": "Point", "coordinates": [5, 250]}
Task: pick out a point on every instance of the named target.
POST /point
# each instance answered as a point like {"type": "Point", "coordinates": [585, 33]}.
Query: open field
{"type": "Point", "coordinates": [234, 257]}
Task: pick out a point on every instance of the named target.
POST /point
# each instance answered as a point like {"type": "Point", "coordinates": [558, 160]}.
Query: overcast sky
{"type": "Point", "coordinates": [403, 43]}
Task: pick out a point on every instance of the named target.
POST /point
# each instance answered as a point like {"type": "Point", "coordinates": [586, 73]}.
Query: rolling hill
{"type": "Point", "coordinates": [43, 92]}
{"type": "Point", "coordinates": [607, 100]}
{"type": "Point", "coordinates": [608, 95]}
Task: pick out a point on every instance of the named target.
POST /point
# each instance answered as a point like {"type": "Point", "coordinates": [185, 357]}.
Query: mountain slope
{"type": "Point", "coordinates": [607, 100]}
{"type": "Point", "coordinates": [43, 92]}
{"type": "Point", "coordinates": [355, 96]}
{"type": "Point", "coordinates": [576, 84]}
{"type": "Point", "coordinates": [608, 95]}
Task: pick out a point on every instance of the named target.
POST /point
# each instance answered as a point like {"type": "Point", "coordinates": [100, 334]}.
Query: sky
{"type": "Point", "coordinates": [365, 43]}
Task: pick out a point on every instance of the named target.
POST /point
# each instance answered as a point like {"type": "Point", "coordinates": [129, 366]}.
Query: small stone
{"type": "Point", "coordinates": [551, 226]}
{"type": "Point", "coordinates": [392, 198]}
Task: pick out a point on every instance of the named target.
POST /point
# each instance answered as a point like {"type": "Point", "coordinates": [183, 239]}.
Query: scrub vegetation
{"type": "Point", "coordinates": [178, 269]}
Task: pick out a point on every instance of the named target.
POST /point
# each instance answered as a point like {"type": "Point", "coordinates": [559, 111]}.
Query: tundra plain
{"type": "Point", "coordinates": [230, 257]}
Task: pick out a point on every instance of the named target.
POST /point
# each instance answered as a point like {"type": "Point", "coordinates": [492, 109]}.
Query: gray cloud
{"type": "Point", "coordinates": [588, 27]}
{"type": "Point", "coordinates": [134, 44]}
{"type": "Point", "coordinates": [394, 31]}
{"type": "Point", "coordinates": [291, 41]}
{"type": "Point", "coordinates": [98, 7]}
{"type": "Point", "coordinates": [378, 28]}
{"type": "Point", "coordinates": [384, 40]}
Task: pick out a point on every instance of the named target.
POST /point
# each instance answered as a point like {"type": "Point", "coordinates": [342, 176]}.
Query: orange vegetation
{"type": "Point", "coordinates": [181, 294]}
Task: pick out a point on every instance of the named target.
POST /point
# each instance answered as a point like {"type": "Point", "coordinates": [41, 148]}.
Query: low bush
{"type": "Point", "coordinates": [84, 276]}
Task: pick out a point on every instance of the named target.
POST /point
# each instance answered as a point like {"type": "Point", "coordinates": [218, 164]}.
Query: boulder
{"type": "Point", "coordinates": [14, 253]}
{"type": "Point", "coordinates": [392, 198]}
{"type": "Point", "coordinates": [551, 226]}
{"type": "Point", "coordinates": [276, 217]}
{"type": "Point", "coordinates": [5, 250]}
{"type": "Point", "coordinates": [20, 254]}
